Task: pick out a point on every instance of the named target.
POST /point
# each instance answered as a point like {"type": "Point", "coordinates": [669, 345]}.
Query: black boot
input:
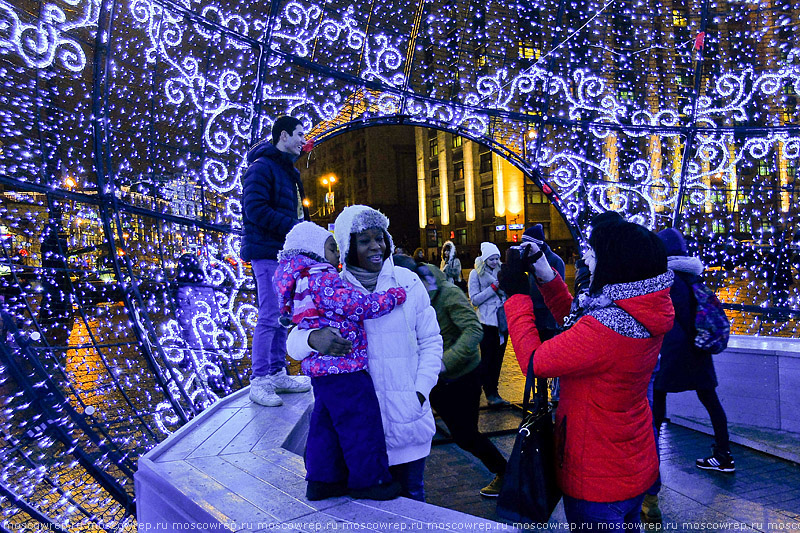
{"type": "Point", "coordinates": [319, 490]}
{"type": "Point", "coordinates": [382, 491]}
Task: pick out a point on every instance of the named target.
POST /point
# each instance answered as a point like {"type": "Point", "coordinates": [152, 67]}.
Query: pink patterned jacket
{"type": "Point", "coordinates": [314, 296]}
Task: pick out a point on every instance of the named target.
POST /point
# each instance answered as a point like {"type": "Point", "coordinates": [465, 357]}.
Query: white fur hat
{"type": "Point", "coordinates": [355, 219]}
{"type": "Point", "coordinates": [488, 249]}
{"type": "Point", "coordinates": [305, 237]}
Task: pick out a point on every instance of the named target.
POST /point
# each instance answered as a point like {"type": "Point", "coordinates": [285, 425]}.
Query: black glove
{"type": "Point", "coordinates": [583, 278]}
{"type": "Point", "coordinates": [512, 277]}
{"type": "Point", "coordinates": [529, 258]}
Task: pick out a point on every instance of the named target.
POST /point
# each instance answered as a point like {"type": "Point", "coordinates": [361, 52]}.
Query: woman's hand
{"type": "Point", "coordinates": [534, 259]}
{"type": "Point", "coordinates": [329, 341]}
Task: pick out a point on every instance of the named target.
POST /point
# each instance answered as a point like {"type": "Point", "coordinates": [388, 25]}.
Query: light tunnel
{"type": "Point", "coordinates": [124, 126]}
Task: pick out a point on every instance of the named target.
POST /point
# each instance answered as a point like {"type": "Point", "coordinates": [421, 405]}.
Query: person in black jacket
{"type": "Point", "coordinates": [683, 367]}
{"type": "Point", "coordinates": [545, 323]}
{"type": "Point", "coordinates": [272, 204]}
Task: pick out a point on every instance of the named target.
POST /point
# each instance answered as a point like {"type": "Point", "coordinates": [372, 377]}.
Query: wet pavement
{"type": "Point", "coordinates": [762, 495]}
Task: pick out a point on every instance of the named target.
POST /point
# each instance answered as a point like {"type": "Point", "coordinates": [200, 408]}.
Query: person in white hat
{"type": "Point", "coordinates": [345, 449]}
{"type": "Point", "coordinates": [485, 294]}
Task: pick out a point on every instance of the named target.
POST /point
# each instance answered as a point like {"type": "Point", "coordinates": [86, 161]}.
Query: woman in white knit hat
{"type": "Point", "coordinates": [485, 294]}
{"type": "Point", "coordinates": [404, 349]}
{"type": "Point", "coordinates": [345, 449]}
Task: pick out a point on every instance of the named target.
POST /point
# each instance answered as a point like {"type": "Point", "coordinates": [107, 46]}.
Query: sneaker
{"type": "Point", "coordinates": [381, 492]}
{"type": "Point", "coordinates": [719, 461]}
{"type": "Point", "coordinates": [651, 513]}
{"type": "Point", "coordinates": [496, 401]}
{"type": "Point", "coordinates": [262, 392]}
{"type": "Point", "coordinates": [283, 382]}
{"type": "Point", "coordinates": [319, 490]}
{"type": "Point", "coordinates": [492, 490]}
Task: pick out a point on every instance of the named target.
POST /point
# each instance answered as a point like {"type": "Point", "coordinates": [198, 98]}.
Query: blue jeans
{"type": "Point", "coordinates": [269, 337]}
{"type": "Point", "coordinates": [656, 487]}
{"type": "Point", "coordinates": [584, 515]}
{"type": "Point", "coordinates": [411, 478]}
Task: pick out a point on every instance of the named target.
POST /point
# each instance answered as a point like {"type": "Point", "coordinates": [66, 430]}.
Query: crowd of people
{"type": "Point", "coordinates": [386, 340]}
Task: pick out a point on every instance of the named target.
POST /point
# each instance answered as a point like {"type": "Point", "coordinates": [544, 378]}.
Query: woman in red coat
{"type": "Point", "coordinates": [606, 453]}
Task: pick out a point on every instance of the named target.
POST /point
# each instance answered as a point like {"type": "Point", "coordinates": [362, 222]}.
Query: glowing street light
{"type": "Point", "coordinates": [329, 198]}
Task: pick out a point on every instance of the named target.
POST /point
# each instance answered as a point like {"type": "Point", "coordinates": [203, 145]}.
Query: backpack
{"type": "Point", "coordinates": [710, 322]}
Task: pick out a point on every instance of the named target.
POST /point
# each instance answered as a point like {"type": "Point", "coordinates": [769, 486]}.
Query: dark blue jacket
{"type": "Point", "coordinates": [269, 201]}
{"type": "Point", "coordinates": [545, 322]}
{"type": "Point", "coordinates": [682, 366]}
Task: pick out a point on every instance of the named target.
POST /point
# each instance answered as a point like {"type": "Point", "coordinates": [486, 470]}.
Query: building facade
{"type": "Point", "coordinates": [371, 166]}
{"type": "Point", "coordinates": [468, 194]}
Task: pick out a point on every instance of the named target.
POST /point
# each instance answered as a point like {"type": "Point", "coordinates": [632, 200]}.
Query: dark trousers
{"type": "Point", "coordinates": [710, 400]}
{"type": "Point", "coordinates": [411, 477]}
{"type": "Point", "coordinates": [457, 402]}
{"type": "Point", "coordinates": [584, 515]}
{"type": "Point", "coordinates": [492, 352]}
{"type": "Point", "coordinates": [345, 434]}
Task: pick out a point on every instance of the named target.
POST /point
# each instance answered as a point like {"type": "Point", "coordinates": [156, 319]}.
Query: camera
{"type": "Point", "coordinates": [516, 252]}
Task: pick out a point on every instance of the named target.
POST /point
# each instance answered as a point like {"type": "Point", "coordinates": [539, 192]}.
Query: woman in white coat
{"type": "Point", "coordinates": [485, 294]}
{"type": "Point", "coordinates": [404, 347]}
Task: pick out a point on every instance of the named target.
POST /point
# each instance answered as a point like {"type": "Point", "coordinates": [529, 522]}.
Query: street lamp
{"type": "Point", "coordinates": [329, 198]}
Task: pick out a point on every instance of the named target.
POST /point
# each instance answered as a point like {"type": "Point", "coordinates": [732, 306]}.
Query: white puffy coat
{"type": "Point", "coordinates": [405, 356]}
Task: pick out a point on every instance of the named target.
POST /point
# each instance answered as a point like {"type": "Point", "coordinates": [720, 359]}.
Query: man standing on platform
{"type": "Point", "coordinates": [272, 203]}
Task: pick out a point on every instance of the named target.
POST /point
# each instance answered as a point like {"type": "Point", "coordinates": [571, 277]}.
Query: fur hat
{"type": "Point", "coordinates": [488, 249]}
{"type": "Point", "coordinates": [355, 219]}
{"type": "Point", "coordinates": [673, 241]}
{"type": "Point", "coordinates": [305, 237]}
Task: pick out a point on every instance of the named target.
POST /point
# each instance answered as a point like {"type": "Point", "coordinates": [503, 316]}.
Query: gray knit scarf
{"type": "Point", "coordinates": [368, 279]}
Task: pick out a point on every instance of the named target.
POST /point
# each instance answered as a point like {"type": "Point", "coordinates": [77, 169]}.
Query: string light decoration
{"type": "Point", "coordinates": [124, 130]}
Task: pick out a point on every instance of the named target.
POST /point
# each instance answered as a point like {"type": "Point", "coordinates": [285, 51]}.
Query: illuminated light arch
{"type": "Point", "coordinates": [124, 130]}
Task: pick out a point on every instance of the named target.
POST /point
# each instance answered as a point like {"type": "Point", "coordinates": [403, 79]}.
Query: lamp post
{"type": "Point", "coordinates": [329, 198]}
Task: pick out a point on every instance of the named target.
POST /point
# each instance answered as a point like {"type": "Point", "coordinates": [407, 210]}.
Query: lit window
{"type": "Point", "coordinates": [679, 19]}
{"type": "Point", "coordinates": [528, 51]}
{"type": "Point", "coordinates": [435, 177]}
{"type": "Point", "coordinates": [742, 198]}
{"type": "Point", "coordinates": [434, 147]}
{"type": "Point", "coordinates": [436, 203]}
{"type": "Point", "coordinates": [457, 141]}
{"type": "Point", "coordinates": [461, 204]}
{"type": "Point", "coordinates": [458, 171]}
{"type": "Point", "coordinates": [535, 197]}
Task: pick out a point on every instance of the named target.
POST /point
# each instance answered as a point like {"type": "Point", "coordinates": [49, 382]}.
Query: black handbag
{"type": "Point", "coordinates": [530, 492]}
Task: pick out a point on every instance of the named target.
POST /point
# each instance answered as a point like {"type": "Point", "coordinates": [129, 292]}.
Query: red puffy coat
{"type": "Point", "coordinates": [604, 427]}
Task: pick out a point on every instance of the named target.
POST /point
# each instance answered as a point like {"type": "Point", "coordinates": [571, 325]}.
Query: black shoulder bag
{"type": "Point", "coordinates": [530, 492]}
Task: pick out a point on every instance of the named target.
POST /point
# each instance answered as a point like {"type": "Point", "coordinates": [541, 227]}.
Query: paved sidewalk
{"type": "Point", "coordinates": [762, 495]}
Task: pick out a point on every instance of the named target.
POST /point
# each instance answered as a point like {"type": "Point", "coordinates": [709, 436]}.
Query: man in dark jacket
{"type": "Point", "coordinates": [545, 322]}
{"type": "Point", "coordinates": [272, 203]}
